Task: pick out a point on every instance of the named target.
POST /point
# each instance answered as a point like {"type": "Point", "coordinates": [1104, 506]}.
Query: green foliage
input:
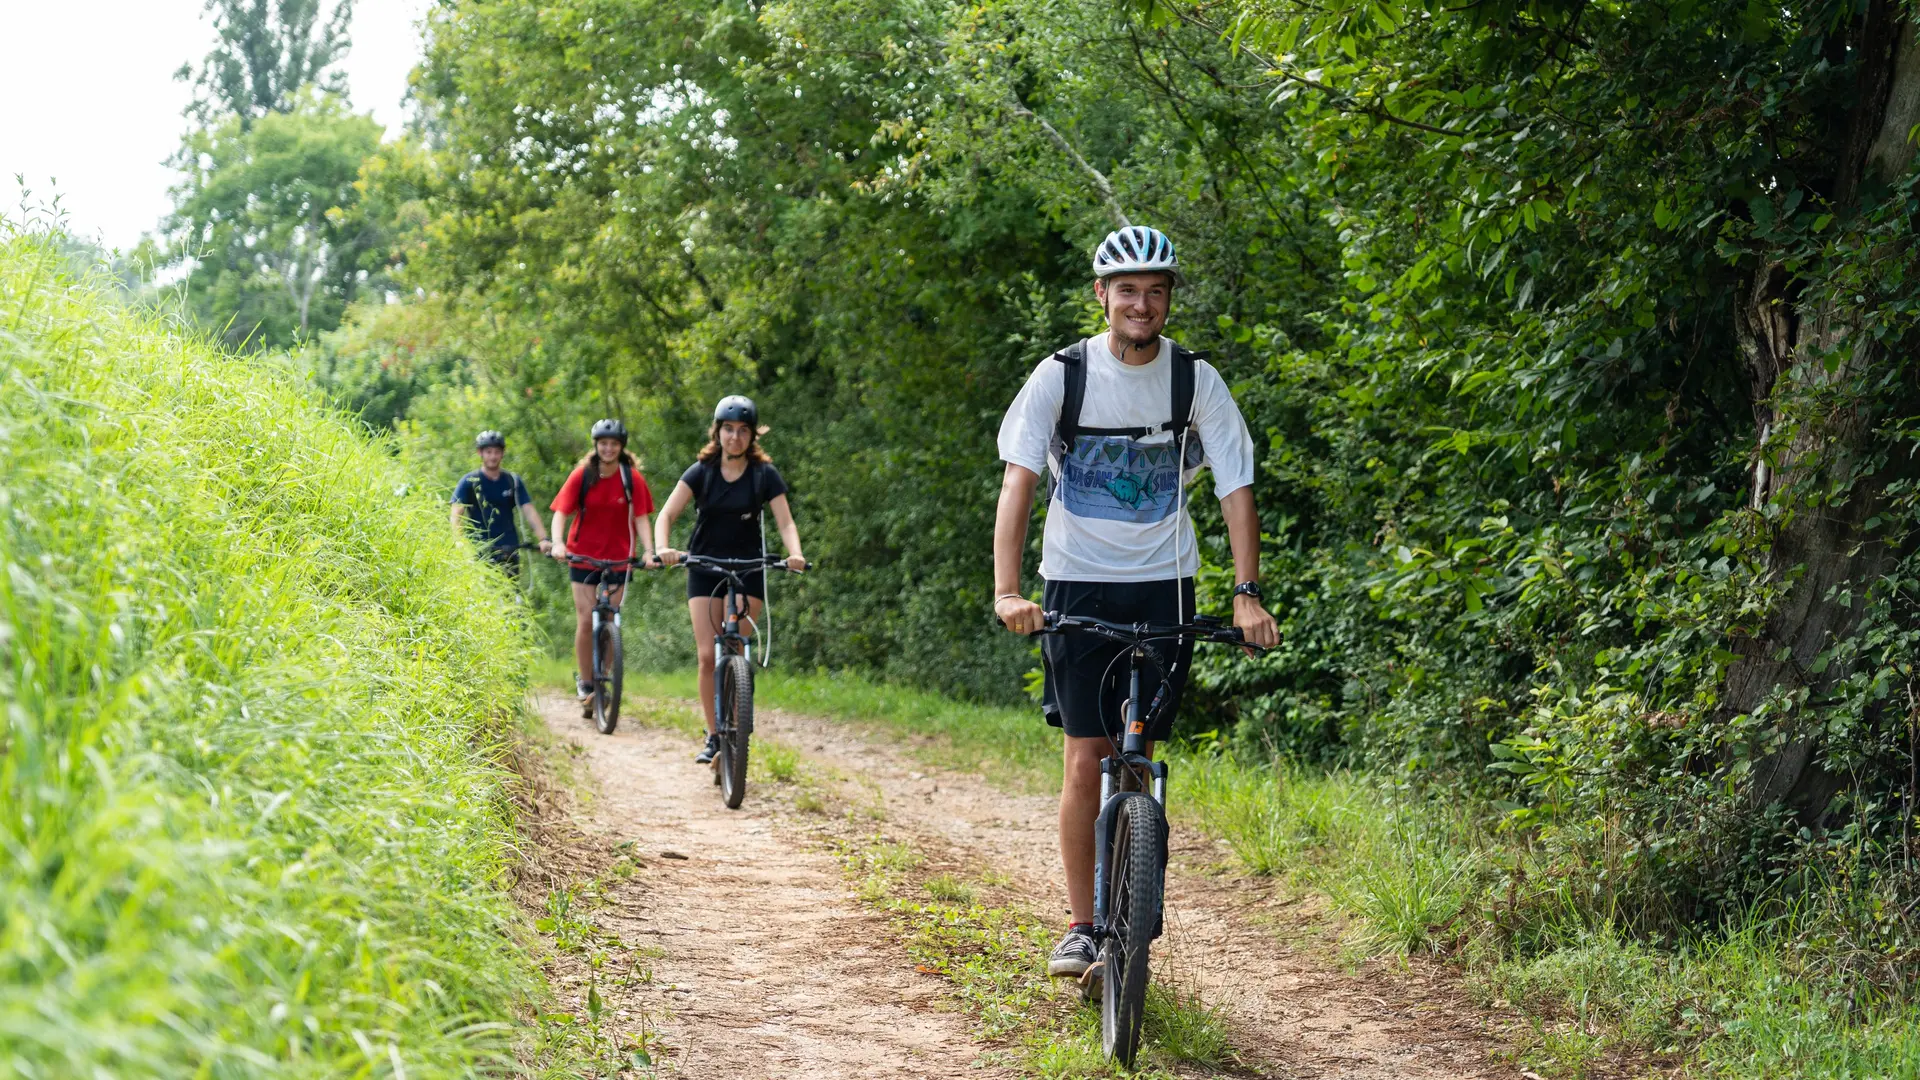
{"type": "Point", "coordinates": [264, 220]}
{"type": "Point", "coordinates": [253, 797]}
{"type": "Point", "coordinates": [267, 52]}
{"type": "Point", "coordinates": [1571, 505]}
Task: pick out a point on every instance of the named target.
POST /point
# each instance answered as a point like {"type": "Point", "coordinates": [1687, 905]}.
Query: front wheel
{"type": "Point", "coordinates": [606, 686]}
{"type": "Point", "coordinates": [1135, 883]}
{"type": "Point", "coordinates": [736, 695]}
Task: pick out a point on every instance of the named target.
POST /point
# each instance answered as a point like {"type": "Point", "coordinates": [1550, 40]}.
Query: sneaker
{"type": "Point", "coordinates": [586, 697]}
{"type": "Point", "coordinates": [706, 754]}
{"type": "Point", "coordinates": [1073, 956]}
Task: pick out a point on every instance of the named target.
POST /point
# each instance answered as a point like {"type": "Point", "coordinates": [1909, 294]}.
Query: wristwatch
{"type": "Point", "coordinates": [1249, 588]}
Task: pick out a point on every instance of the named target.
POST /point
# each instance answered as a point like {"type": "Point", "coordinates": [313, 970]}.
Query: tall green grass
{"type": "Point", "coordinates": [1422, 874]}
{"type": "Point", "coordinates": [254, 819]}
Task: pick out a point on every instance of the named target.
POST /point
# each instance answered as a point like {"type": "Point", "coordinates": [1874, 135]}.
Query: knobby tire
{"type": "Point", "coordinates": [736, 685]}
{"type": "Point", "coordinates": [610, 678]}
{"type": "Point", "coordinates": [1135, 880]}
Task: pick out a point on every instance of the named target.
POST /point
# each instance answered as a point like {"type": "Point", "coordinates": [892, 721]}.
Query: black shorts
{"type": "Point", "coordinates": [704, 583]}
{"type": "Point", "coordinates": [1087, 675]}
{"type": "Point", "coordinates": [587, 576]}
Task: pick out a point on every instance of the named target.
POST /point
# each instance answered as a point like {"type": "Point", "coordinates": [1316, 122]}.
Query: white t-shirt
{"type": "Point", "coordinates": [1115, 513]}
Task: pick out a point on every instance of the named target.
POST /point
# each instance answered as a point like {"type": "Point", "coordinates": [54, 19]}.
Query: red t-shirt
{"type": "Point", "coordinates": [603, 531]}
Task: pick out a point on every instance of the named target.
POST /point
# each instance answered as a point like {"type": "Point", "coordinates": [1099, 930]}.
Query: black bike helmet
{"type": "Point", "coordinates": [736, 407]}
{"type": "Point", "coordinates": [610, 429]}
{"type": "Point", "coordinates": [489, 438]}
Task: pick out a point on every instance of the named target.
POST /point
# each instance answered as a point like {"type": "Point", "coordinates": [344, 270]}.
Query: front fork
{"type": "Point", "coordinates": [722, 717]}
{"type": "Point", "coordinates": [594, 642]}
{"type": "Point", "coordinates": [1119, 779]}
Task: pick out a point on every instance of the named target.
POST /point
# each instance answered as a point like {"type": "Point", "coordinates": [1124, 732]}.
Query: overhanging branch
{"type": "Point", "coordinates": [1101, 186]}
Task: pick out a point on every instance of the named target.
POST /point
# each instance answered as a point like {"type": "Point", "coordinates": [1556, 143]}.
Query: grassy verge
{"type": "Point", "coordinates": [994, 958]}
{"type": "Point", "coordinates": [593, 1039]}
{"type": "Point", "coordinates": [255, 813]}
{"type": "Point", "coordinates": [1425, 876]}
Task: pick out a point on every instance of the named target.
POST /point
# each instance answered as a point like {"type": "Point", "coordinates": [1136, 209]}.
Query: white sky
{"type": "Point", "coordinates": [89, 108]}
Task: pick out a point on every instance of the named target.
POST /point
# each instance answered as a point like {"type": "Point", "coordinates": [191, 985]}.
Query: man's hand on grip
{"type": "Point", "coordinates": [1255, 624]}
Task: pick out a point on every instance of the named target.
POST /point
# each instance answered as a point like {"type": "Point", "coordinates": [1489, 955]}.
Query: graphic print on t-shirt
{"type": "Point", "coordinates": [1114, 478]}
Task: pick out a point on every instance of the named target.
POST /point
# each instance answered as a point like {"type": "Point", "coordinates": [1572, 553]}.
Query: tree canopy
{"type": "Point", "coordinates": [267, 52]}
{"type": "Point", "coordinates": [1574, 337]}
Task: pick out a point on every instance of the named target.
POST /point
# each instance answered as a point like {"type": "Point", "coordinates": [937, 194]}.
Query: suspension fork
{"type": "Point", "coordinates": [1116, 776]}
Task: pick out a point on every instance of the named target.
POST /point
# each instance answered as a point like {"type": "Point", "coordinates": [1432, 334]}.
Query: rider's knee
{"type": "Point", "coordinates": [706, 660]}
{"type": "Point", "coordinates": [1083, 764]}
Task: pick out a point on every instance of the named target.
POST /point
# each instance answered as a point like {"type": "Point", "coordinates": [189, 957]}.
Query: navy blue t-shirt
{"type": "Point", "coordinates": [491, 506]}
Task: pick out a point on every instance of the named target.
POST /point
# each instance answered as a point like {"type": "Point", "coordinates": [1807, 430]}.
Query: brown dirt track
{"type": "Point", "coordinates": [765, 963]}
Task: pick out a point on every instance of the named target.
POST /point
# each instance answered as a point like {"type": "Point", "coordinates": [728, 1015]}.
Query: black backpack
{"type": "Point", "coordinates": [1068, 431]}
{"type": "Point", "coordinates": [588, 477]}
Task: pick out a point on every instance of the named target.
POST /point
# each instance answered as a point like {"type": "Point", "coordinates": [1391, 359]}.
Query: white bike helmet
{"type": "Point", "coordinates": [1136, 249]}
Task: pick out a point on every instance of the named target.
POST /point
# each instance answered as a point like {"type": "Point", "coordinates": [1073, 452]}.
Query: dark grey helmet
{"type": "Point", "coordinates": [610, 429]}
{"type": "Point", "coordinates": [736, 407]}
{"type": "Point", "coordinates": [489, 438]}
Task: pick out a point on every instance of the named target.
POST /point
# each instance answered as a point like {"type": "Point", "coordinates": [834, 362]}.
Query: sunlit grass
{"type": "Point", "coordinates": [994, 960]}
{"type": "Point", "coordinates": [254, 803]}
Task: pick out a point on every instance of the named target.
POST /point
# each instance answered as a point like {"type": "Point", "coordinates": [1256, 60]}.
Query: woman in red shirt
{"type": "Point", "coordinates": [613, 524]}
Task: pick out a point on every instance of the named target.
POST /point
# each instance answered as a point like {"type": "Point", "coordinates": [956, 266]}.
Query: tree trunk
{"type": "Point", "coordinates": [1802, 358]}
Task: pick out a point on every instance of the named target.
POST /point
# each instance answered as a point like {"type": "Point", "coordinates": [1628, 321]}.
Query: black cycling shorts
{"type": "Point", "coordinates": [1087, 675]}
{"type": "Point", "coordinates": [588, 576]}
{"type": "Point", "coordinates": [703, 583]}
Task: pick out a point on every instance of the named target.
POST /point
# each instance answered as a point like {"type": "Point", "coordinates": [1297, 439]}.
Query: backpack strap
{"type": "Point", "coordinates": [589, 476]}
{"type": "Point", "coordinates": [1183, 378]}
{"type": "Point", "coordinates": [1074, 357]}
{"type": "Point", "coordinates": [756, 477]}
{"type": "Point", "coordinates": [472, 483]}
{"type": "Point", "coordinates": [1067, 429]}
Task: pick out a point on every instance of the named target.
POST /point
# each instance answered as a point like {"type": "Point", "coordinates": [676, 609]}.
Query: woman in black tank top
{"type": "Point", "coordinates": [729, 485]}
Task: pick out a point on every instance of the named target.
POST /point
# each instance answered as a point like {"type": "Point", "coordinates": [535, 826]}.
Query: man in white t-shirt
{"type": "Point", "coordinates": [1118, 543]}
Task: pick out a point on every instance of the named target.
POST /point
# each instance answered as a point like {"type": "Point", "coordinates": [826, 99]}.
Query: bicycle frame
{"type": "Point", "coordinates": [729, 640]}
{"type": "Point", "coordinates": [1121, 774]}
{"type": "Point", "coordinates": [1129, 770]}
{"type": "Point", "coordinates": [603, 605]}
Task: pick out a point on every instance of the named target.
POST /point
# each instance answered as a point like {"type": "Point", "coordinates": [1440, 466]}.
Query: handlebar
{"type": "Point", "coordinates": [602, 564]}
{"type": "Point", "coordinates": [754, 562]}
{"type": "Point", "coordinates": [1203, 628]}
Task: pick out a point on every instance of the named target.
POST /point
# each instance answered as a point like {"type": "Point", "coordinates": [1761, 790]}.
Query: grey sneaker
{"type": "Point", "coordinates": [706, 753]}
{"type": "Point", "coordinates": [1073, 956]}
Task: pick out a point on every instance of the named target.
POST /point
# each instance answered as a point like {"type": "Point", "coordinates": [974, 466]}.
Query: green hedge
{"type": "Point", "coordinates": [254, 818]}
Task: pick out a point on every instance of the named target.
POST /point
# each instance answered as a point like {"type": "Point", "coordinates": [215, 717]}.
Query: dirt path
{"type": "Point", "coordinates": [767, 967]}
{"type": "Point", "coordinates": [771, 967]}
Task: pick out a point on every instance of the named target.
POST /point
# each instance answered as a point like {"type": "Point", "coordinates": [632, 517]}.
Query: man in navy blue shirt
{"type": "Point", "coordinates": [484, 503]}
